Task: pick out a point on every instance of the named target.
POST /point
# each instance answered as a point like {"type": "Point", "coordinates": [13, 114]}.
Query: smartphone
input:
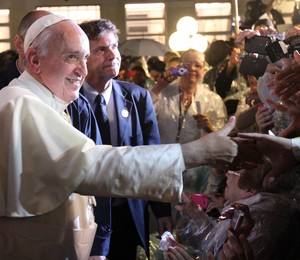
{"type": "Point", "coordinates": [200, 200]}
{"type": "Point", "coordinates": [236, 219]}
{"type": "Point", "coordinates": [179, 71]}
{"type": "Point", "coordinates": [198, 106]}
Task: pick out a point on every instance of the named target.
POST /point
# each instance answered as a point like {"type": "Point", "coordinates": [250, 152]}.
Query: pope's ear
{"type": "Point", "coordinates": [19, 44]}
{"type": "Point", "coordinates": [32, 60]}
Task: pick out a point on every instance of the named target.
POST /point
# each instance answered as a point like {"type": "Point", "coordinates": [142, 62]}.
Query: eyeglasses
{"type": "Point", "coordinates": [196, 65]}
{"type": "Point", "coordinates": [233, 173]}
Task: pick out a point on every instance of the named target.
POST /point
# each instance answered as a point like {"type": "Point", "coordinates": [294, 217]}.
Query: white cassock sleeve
{"type": "Point", "coordinates": [43, 160]}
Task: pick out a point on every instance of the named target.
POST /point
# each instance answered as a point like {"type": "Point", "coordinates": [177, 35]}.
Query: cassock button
{"type": "Point", "coordinates": [125, 113]}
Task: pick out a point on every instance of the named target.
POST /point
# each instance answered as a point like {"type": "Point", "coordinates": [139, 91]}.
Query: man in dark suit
{"type": "Point", "coordinates": [132, 122]}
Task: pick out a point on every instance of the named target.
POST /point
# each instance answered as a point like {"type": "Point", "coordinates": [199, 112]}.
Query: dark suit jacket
{"type": "Point", "coordinates": [83, 118]}
{"type": "Point", "coordinates": [139, 128]}
{"type": "Point", "coordinates": [8, 74]}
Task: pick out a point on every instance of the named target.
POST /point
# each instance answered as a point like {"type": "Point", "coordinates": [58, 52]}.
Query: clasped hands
{"type": "Point", "coordinates": [222, 151]}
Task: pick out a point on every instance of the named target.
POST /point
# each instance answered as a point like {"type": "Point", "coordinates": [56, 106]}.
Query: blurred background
{"type": "Point", "coordinates": [204, 21]}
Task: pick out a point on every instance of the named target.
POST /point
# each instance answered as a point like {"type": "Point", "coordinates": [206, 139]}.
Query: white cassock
{"type": "Point", "coordinates": [45, 163]}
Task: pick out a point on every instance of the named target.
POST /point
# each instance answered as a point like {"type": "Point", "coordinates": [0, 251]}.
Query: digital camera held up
{"type": "Point", "coordinates": [179, 71]}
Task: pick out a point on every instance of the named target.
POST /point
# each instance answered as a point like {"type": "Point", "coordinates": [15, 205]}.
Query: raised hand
{"type": "Point", "coordinates": [287, 82]}
{"type": "Point", "coordinates": [264, 118]}
{"type": "Point", "coordinates": [236, 248]}
{"type": "Point", "coordinates": [277, 149]}
{"type": "Point", "coordinates": [176, 251]}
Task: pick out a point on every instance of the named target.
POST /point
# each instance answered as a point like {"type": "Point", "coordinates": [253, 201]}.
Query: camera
{"type": "Point", "coordinates": [275, 47]}
{"type": "Point", "coordinates": [267, 48]}
{"type": "Point", "coordinates": [283, 48]}
{"type": "Point", "coordinates": [257, 44]}
{"type": "Point", "coordinates": [179, 71]}
{"type": "Point", "coordinates": [255, 66]}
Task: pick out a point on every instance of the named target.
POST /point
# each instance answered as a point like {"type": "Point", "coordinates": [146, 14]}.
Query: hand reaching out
{"type": "Point", "coordinates": [246, 34]}
{"type": "Point", "coordinates": [219, 150]}
{"type": "Point", "coordinates": [264, 118]}
{"type": "Point", "coordinates": [277, 149]}
{"type": "Point", "coordinates": [176, 251]}
{"type": "Point", "coordinates": [292, 32]}
{"type": "Point", "coordinates": [247, 223]}
{"type": "Point", "coordinates": [292, 109]}
{"type": "Point", "coordinates": [237, 245]}
{"type": "Point", "coordinates": [251, 33]}
{"type": "Point", "coordinates": [287, 82]}
{"type": "Point", "coordinates": [236, 248]}
{"type": "Point", "coordinates": [163, 82]}
{"type": "Point", "coordinates": [215, 148]}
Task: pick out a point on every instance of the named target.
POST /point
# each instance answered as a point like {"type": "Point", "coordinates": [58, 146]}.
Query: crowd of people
{"type": "Point", "coordinates": [91, 141]}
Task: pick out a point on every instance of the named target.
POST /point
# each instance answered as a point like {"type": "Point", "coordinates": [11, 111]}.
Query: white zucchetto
{"type": "Point", "coordinates": [40, 25]}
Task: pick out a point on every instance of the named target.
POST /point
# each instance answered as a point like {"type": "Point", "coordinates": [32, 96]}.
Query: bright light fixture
{"type": "Point", "coordinates": [199, 43]}
{"type": "Point", "coordinates": [188, 25]}
{"type": "Point", "coordinates": [179, 41]}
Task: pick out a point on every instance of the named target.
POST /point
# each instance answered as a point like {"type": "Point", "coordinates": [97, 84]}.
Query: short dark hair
{"type": "Point", "coordinates": [217, 52]}
{"type": "Point", "coordinates": [96, 28]}
{"type": "Point", "coordinates": [139, 68]}
{"type": "Point", "coordinates": [154, 63]}
{"type": "Point", "coordinates": [263, 22]}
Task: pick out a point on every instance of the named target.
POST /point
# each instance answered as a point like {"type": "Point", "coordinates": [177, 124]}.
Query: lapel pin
{"type": "Point", "coordinates": [125, 113]}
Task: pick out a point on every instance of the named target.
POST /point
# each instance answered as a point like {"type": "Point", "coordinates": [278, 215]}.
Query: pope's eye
{"type": "Point", "coordinates": [72, 57]}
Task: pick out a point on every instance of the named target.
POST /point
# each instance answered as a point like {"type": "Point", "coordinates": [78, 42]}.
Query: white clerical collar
{"type": "Point", "coordinates": [42, 92]}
